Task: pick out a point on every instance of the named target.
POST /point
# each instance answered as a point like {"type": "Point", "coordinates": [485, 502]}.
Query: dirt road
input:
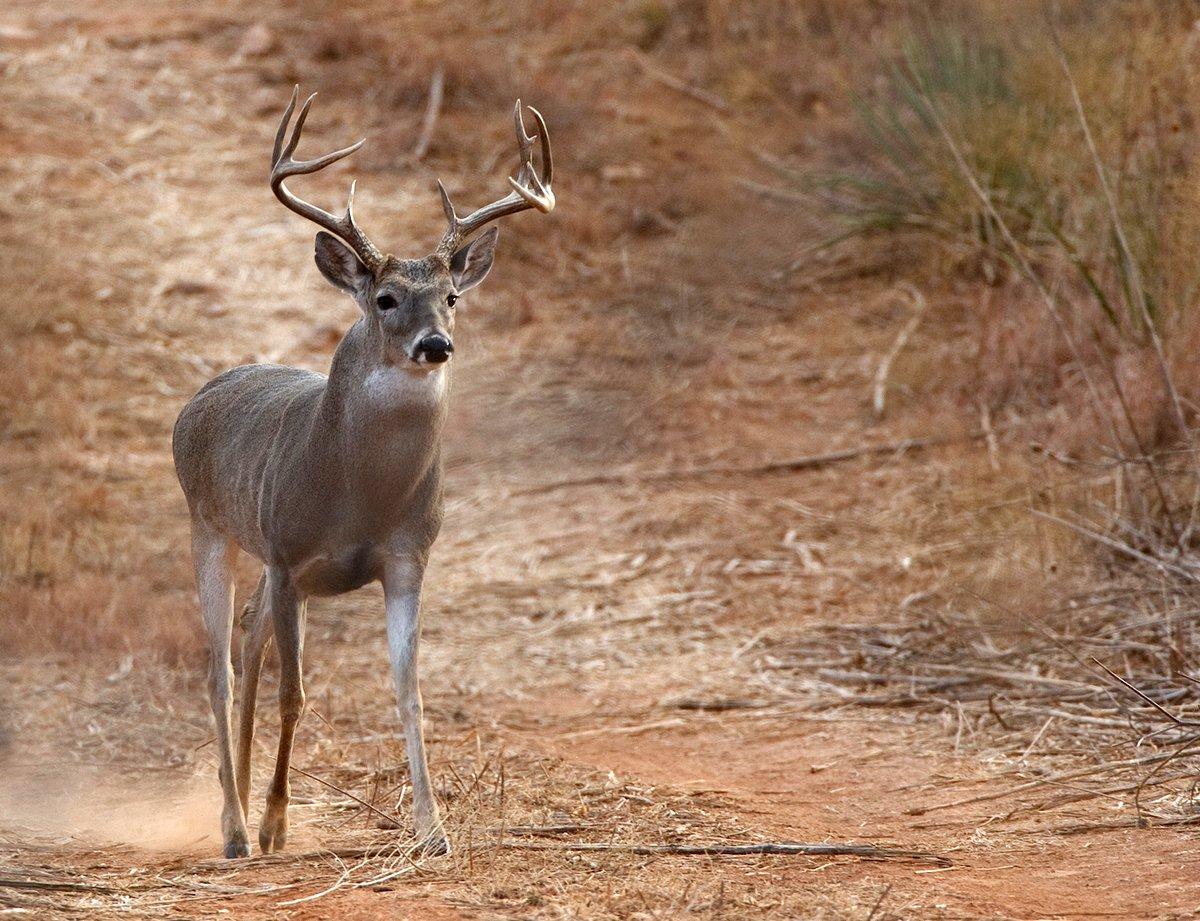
{"type": "Point", "coordinates": [613, 662]}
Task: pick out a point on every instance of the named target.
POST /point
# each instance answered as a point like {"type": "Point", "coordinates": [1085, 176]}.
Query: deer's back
{"type": "Point", "coordinates": [226, 434]}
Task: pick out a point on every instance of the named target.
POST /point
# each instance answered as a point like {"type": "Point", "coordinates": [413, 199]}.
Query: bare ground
{"type": "Point", "coordinates": [602, 663]}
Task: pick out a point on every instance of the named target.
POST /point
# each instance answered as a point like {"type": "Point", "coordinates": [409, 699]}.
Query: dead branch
{"type": "Point", "coordinates": [784, 848]}
{"type": "Point", "coordinates": [437, 87]}
{"type": "Point", "coordinates": [1191, 724]}
{"type": "Point", "coordinates": [1125, 823]}
{"type": "Point", "coordinates": [1118, 546]}
{"type": "Point", "coordinates": [919, 305]}
{"type": "Point", "coordinates": [52, 885]}
{"type": "Point", "coordinates": [1044, 781]}
{"type": "Point", "coordinates": [777, 848]}
{"type": "Point", "coordinates": [672, 82]}
{"type": "Point", "coordinates": [718, 704]}
{"type": "Point", "coordinates": [543, 830]}
{"type": "Point", "coordinates": [391, 819]}
{"type": "Point", "coordinates": [1085, 795]}
{"type": "Point", "coordinates": [807, 462]}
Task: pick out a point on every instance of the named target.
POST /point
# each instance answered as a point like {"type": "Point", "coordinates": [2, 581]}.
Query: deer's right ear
{"type": "Point", "coordinates": [339, 265]}
{"type": "Point", "coordinates": [470, 265]}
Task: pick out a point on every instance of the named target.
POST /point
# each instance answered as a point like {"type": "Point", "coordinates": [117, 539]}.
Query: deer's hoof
{"type": "Point", "coordinates": [272, 834]}
{"type": "Point", "coordinates": [435, 844]}
{"type": "Point", "coordinates": [238, 847]}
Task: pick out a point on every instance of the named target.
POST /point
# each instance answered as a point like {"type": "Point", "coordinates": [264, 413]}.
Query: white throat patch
{"type": "Point", "coordinates": [395, 386]}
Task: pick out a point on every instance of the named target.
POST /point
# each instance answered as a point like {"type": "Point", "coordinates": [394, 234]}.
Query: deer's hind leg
{"type": "Point", "coordinates": [256, 637]}
{"type": "Point", "coordinates": [288, 611]}
{"type": "Point", "coordinates": [213, 555]}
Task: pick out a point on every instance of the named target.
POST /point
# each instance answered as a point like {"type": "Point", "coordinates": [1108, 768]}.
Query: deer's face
{"type": "Point", "coordinates": [409, 304]}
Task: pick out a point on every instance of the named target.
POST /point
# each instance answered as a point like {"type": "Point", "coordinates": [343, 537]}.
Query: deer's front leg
{"type": "Point", "coordinates": [402, 592]}
{"type": "Point", "coordinates": [287, 612]}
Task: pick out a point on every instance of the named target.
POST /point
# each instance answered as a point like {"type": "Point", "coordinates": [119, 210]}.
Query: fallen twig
{"type": "Point", "coordinates": [1118, 546]}
{"type": "Point", "coordinates": [436, 88]}
{"type": "Point", "coordinates": [767, 191]}
{"type": "Point", "coordinates": [1044, 781]}
{"type": "Point", "coordinates": [538, 830]}
{"type": "Point", "coordinates": [52, 885]}
{"type": "Point", "coordinates": [1084, 795]}
{"type": "Point", "coordinates": [771, 848]}
{"type": "Point", "coordinates": [885, 366]}
{"type": "Point", "coordinates": [392, 820]}
{"type": "Point", "coordinates": [879, 902]}
{"type": "Point", "coordinates": [624, 730]}
{"type": "Point", "coordinates": [1190, 724]}
{"type": "Point", "coordinates": [1125, 823]}
{"type": "Point", "coordinates": [719, 704]}
{"type": "Point", "coordinates": [673, 82]}
{"type": "Point", "coordinates": [807, 462]}
{"type": "Point", "coordinates": [736, 850]}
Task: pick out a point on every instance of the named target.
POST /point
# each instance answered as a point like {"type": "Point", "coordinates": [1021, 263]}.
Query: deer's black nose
{"type": "Point", "coordinates": [435, 349]}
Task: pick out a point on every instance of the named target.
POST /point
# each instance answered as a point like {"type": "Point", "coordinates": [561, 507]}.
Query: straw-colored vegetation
{"type": "Point", "coordinates": [1030, 146]}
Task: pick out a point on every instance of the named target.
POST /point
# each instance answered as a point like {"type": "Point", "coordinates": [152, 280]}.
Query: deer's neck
{"type": "Point", "coordinates": [386, 419]}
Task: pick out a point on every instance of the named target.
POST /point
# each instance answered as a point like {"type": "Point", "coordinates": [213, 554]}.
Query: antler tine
{"type": "Point", "coordinates": [447, 206]}
{"type": "Point", "coordinates": [529, 190]}
{"type": "Point", "coordinates": [524, 143]}
{"type": "Point", "coordinates": [283, 166]}
{"type": "Point", "coordinates": [547, 155]}
{"type": "Point", "coordinates": [287, 117]}
{"type": "Point", "coordinates": [298, 129]}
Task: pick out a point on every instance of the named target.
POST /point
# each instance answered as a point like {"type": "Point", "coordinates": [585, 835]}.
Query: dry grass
{"type": "Point", "coordinates": [966, 102]}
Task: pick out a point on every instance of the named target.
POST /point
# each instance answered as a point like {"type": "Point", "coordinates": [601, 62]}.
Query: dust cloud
{"type": "Point", "coordinates": [73, 804]}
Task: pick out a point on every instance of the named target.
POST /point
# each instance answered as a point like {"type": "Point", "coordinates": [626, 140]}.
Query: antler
{"type": "Point", "coordinates": [283, 167]}
{"type": "Point", "coordinates": [529, 189]}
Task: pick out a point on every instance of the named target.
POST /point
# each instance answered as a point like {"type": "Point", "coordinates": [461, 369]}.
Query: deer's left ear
{"type": "Point", "coordinates": [470, 265]}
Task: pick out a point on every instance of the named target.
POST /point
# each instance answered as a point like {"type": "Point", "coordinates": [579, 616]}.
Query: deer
{"type": "Point", "coordinates": [334, 481]}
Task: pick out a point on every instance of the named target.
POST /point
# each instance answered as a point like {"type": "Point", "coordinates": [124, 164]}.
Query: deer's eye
{"type": "Point", "coordinates": [451, 298]}
{"type": "Point", "coordinates": [385, 302]}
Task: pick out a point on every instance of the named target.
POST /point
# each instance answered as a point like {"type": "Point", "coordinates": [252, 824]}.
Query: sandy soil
{"type": "Point", "coordinates": [604, 659]}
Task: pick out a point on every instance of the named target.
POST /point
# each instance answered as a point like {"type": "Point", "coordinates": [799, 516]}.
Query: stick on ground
{"type": "Point", "coordinates": [672, 82]}
{"type": "Point", "coordinates": [392, 820]}
{"type": "Point", "coordinates": [879, 397]}
{"type": "Point", "coordinates": [806, 462]}
{"type": "Point", "coordinates": [766, 848]}
{"type": "Point", "coordinates": [429, 122]}
{"type": "Point", "coordinates": [52, 885]}
{"type": "Point", "coordinates": [789, 848]}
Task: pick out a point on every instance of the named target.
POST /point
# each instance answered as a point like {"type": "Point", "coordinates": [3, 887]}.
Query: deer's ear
{"type": "Point", "coordinates": [339, 265]}
{"type": "Point", "coordinates": [470, 265]}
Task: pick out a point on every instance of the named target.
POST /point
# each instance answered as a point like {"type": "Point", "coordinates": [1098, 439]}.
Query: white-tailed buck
{"type": "Point", "coordinates": [333, 482]}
